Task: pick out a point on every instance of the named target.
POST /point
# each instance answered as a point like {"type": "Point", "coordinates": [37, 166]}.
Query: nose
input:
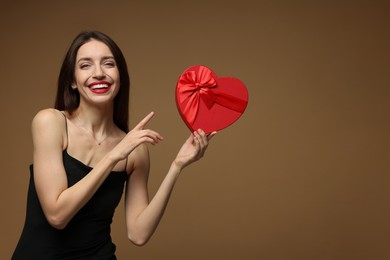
{"type": "Point", "coordinates": [98, 72]}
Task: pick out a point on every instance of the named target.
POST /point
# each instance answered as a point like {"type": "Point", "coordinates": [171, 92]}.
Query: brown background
{"type": "Point", "coordinates": [303, 174]}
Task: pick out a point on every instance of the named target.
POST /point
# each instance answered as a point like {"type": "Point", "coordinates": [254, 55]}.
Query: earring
{"type": "Point", "coordinates": [73, 87]}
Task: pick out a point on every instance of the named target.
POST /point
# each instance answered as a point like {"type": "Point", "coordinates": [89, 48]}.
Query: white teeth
{"type": "Point", "coordinates": [99, 86]}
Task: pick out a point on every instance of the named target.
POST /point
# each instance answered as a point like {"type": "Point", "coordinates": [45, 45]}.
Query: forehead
{"type": "Point", "coordinates": [93, 49]}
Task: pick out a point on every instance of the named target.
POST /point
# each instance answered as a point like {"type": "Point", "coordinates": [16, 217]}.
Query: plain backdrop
{"type": "Point", "coordinates": [303, 174]}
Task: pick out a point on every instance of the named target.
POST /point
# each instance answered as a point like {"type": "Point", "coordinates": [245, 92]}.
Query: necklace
{"type": "Point", "coordinates": [89, 132]}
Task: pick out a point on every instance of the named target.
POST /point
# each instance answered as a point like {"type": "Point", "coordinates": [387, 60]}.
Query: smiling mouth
{"type": "Point", "coordinates": [99, 87]}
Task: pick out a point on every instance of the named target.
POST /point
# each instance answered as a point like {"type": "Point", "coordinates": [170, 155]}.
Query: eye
{"type": "Point", "coordinates": [84, 66]}
{"type": "Point", "coordinates": [109, 63]}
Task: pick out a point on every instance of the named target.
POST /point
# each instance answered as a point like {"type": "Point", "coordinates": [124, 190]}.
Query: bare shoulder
{"type": "Point", "coordinates": [139, 158]}
{"type": "Point", "coordinates": [48, 125]}
{"type": "Point", "coordinates": [48, 116]}
{"type": "Point", "coordinates": [142, 150]}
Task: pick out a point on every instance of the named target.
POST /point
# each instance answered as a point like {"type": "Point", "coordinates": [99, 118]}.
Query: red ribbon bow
{"type": "Point", "coordinates": [194, 86]}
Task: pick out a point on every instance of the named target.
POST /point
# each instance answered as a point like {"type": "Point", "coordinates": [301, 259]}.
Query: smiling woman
{"type": "Point", "coordinates": [84, 156]}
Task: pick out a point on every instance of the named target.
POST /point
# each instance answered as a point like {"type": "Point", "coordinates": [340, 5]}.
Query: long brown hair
{"type": "Point", "coordinates": [68, 99]}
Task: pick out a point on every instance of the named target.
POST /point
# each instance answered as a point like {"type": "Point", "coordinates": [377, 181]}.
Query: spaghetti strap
{"type": "Point", "coordinates": [127, 158]}
{"type": "Point", "coordinates": [66, 129]}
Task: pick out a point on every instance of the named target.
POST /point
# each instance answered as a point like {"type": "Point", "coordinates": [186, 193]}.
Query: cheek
{"type": "Point", "coordinates": [79, 76]}
{"type": "Point", "coordinates": [117, 76]}
{"type": "Point", "coordinates": [117, 79]}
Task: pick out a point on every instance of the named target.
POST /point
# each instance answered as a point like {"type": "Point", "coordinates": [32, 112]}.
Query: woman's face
{"type": "Point", "coordinates": [96, 73]}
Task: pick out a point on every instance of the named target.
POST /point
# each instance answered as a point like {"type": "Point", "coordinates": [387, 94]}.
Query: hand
{"type": "Point", "coordinates": [193, 149]}
{"type": "Point", "coordinates": [137, 136]}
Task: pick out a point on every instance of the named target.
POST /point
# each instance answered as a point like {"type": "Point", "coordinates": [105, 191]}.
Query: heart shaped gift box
{"type": "Point", "coordinates": [208, 102]}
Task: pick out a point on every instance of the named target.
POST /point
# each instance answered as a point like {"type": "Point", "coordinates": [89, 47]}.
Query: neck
{"type": "Point", "coordinates": [97, 120]}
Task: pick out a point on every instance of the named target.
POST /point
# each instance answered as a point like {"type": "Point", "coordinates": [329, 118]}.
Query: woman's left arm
{"type": "Point", "coordinates": [142, 217]}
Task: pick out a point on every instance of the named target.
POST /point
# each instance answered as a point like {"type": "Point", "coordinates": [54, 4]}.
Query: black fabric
{"type": "Point", "coordinates": [87, 235]}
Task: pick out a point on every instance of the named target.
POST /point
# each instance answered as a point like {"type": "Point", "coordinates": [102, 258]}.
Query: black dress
{"type": "Point", "coordinates": [87, 235]}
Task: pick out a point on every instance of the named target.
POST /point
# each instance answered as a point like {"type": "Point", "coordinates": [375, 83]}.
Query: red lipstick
{"type": "Point", "coordinates": [99, 87]}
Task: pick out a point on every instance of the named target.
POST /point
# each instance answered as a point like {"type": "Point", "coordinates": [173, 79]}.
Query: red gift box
{"type": "Point", "coordinates": [208, 102]}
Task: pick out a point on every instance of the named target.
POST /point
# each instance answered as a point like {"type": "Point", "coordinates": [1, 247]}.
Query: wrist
{"type": "Point", "coordinates": [176, 167]}
{"type": "Point", "coordinates": [112, 158]}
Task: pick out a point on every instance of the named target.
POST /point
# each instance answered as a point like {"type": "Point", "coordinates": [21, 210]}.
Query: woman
{"type": "Point", "coordinates": [84, 157]}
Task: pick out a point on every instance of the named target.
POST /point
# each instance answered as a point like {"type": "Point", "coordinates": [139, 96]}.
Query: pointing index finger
{"type": "Point", "coordinates": [144, 121]}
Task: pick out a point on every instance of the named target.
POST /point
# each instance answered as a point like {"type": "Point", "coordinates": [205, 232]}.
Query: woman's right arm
{"type": "Point", "coordinates": [60, 202]}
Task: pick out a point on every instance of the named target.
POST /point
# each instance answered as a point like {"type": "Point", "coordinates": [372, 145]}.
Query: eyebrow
{"type": "Point", "coordinates": [89, 59]}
